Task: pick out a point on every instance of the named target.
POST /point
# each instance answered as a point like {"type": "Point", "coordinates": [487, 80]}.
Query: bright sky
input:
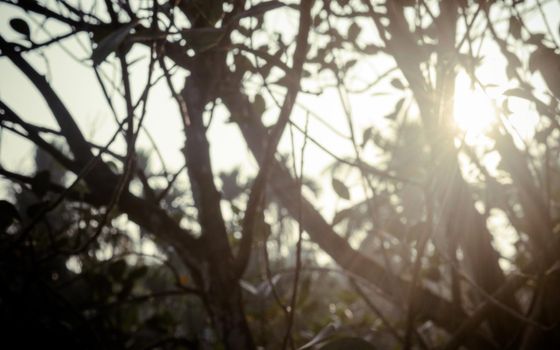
{"type": "Point", "coordinates": [78, 88]}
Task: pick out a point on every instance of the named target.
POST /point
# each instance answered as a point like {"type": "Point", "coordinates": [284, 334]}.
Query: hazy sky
{"type": "Point", "coordinates": [78, 88]}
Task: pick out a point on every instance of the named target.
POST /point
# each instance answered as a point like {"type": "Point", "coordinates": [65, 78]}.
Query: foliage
{"type": "Point", "coordinates": [102, 245]}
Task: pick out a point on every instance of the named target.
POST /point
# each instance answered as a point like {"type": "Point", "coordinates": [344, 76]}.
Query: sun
{"type": "Point", "coordinates": [473, 110]}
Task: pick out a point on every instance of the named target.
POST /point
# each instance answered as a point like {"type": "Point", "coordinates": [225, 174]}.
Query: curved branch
{"type": "Point", "coordinates": [258, 189]}
{"type": "Point", "coordinates": [78, 144]}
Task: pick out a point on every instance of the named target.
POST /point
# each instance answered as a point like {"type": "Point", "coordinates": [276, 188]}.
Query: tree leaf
{"type": "Point", "coordinates": [8, 214]}
{"type": "Point", "coordinates": [243, 64]}
{"type": "Point", "coordinates": [342, 215]}
{"type": "Point", "coordinates": [35, 209]}
{"type": "Point", "coordinates": [203, 39]}
{"type": "Point", "coordinates": [536, 39]}
{"type": "Point", "coordinates": [399, 105]}
{"type": "Point", "coordinates": [367, 135]}
{"type": "Point", "coordinates": [353, 32]}
{"type": "Point", "coordinates": [432, 273]}
{"type": "Point", "coordinates": [230, 186]}
{"type": "Point", "coordinates": [346, 343]}
{"type": "Point", "coordinates": [138, 273]}
{"type": "Point", "coordinates": [505, 107]}
{"type": "Point", "coordinates": [340, 189]}
{"type": "Point", "coordinates": [397, 83]}
{"type": "Point", "coordinates": [321, 336]}
{"type": "Point", "coordinates": [117, 269]}
{"type": "Point", "coordinates": [21, 26]}
{"type": "Point", "coordinates": [248, 287]}
{"type": "Point", "coordinates": [513, 60]}
{"type": "Point", "coordinates": [110, 43]}
{"type": "Point", "coordinates": [258, 10]}
{"type": "Point", "coordinates": [259, 104]}
{"type": "Point", "coordinates": [41, 182]}
{"type": "Point", "coordinates": [286, 80]}
{"type": "Point", "coordinates": [517, 92]}
{"type": "Point", "coordinates": [211, 10]}
{"type": "Point", "coordinates": [406, 3]}
{"type": "Point", "coordinates": [371, 49]}
{"type": "Point", "coordinates": [515, 27]}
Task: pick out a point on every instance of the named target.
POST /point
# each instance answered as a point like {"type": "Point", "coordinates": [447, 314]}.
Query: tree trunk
{"type": "Point", "coordinates": [224, 293]}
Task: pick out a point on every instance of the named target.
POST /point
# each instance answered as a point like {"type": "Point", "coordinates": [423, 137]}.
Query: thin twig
{"type": "Point", "coordinates": [258, 188]}
{"type": "Point", "coordinates": [288, 334]}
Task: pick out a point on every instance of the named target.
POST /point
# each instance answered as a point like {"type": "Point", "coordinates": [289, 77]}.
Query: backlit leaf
{"type": "Point", "coordinates": [259, 9]}
{"type": "Point", "coordinates": [110, 43]}
{"type": "Point", "coordinates": [20, 26]}
{"type": "Point", "coordinates": [202, 39]}
{"type": "Point", "coordinates": [259, 105]}
{"type": "Point", "coordinates": [8, 214]}
{"type": "Point", "coordinates": [353, 32]}
{"type": "Point", "coordinates": [517, 92]}
{"type": "Point", "coordinates": [397, 83]}
{"type": "Point", "coordinates": [340, 189]}
{"type": "Point", "coordinates": [41, 182]}
{"type": "Point", "coordinates": [515, 27]}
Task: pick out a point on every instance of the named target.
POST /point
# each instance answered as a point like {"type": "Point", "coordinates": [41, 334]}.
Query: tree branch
{"type": "Point", "coordinates": [257, 191]}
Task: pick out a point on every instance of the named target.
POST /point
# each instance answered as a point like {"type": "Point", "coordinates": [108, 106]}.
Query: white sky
{"type": "Point", "coordinates": [78, 88]}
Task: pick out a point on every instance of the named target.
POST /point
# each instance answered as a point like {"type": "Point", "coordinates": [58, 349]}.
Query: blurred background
{"type": "Point", "coordinates": [349, 174]}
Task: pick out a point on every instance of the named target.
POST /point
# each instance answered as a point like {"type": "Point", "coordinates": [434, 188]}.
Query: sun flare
{"type": "Point", "coordinates": [473, 110]}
